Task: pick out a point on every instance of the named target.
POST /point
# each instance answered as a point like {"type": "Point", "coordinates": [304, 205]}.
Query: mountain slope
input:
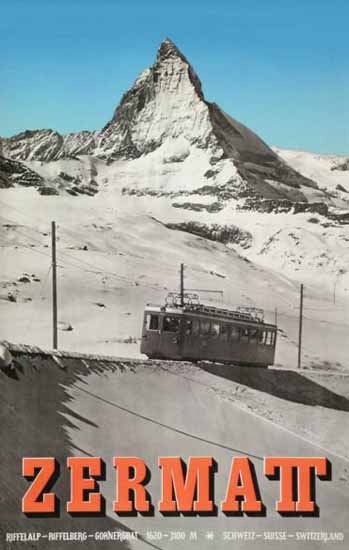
{"type": "Point", "coordinates": [331, 172]}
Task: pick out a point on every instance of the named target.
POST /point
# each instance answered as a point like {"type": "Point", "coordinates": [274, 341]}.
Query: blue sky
{"type": "Point", "coordinates": [280, 67]}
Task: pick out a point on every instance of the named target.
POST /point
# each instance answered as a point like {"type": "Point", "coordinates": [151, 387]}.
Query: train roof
{"type": "Point", "coordinates": [241, 314]}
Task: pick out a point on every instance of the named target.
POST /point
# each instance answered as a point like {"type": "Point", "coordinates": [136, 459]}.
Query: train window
{"type": "Point", "coordinates": [215, 330]}
{"type": "Point", "coordinates": [152, 322]}
{"type": "Point", "coordinates": [234, 333]}
{"type": "Point", "coordinates": [170, 324]}
{"type": "Point", "coordinates": [204, 327]}
{"type": "Point", "coordinates": [224, 333]}
{"type": "Point", "coordinates": [261, 336]}
{"type": "Point", "coordinates": [269, 338]}
{"type": "Point", "coordinates": [254, 335]}
{"type": "Point", "coordinates": [188, 327]}
{"type": "Point", "coordinates": [264, 337]}
{"type": "Point", "coordinates": [244, 332]}
{"type": "Point", "coordinates": [196, 327]}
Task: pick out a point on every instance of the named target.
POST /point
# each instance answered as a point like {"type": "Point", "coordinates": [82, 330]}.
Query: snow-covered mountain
{"type": "Point", "coordinates": [165, 135]}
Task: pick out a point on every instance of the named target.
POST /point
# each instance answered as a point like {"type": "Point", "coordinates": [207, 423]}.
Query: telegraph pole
{"type": "Point", "coordinates": [54, 286]}
{"type": "Point", "coordinates": [181, 288]}
{"type": "Point", "coordinates": [300, 328]}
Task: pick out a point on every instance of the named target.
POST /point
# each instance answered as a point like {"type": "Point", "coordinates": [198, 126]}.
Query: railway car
{"type": "Point", "coordinates": [190, 331]}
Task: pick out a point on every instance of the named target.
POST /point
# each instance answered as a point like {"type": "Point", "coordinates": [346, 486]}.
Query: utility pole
{"type": "Point", "coordinates": [276, 316]}
{"type": "Point", "coordinates": [182, 285]}
{"type": "Point", "coordinates": [54, 286]}
{"type": "Point", "coordinates": [300, 328]}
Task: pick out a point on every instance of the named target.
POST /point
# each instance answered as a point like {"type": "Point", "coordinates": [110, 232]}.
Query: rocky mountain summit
{"type": "Point", "coordinates": [165, 120]}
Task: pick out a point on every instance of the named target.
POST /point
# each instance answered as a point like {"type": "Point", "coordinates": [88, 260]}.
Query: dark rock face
{"type": "Point", "coordinates": [13, 172]}
{"type": "Point", "coordinates": [255, 160]}
{"type": "Point", "coordinates": [48, 191]}
{"type": "Point", "coordinates": [342, 219]}
{"type": "Point", "coordinates": [284, 205]}
{"type": "Point", "coordinates": [343, 167]}
{"type": "Point", "coordinates": [198, 207]}
{"type": "Point", "coordinates": [226, 234]}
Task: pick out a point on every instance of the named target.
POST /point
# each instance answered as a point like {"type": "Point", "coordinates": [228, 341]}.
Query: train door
{"type": "Point", "coordinates": [151, 334]}
{"type": "Point", "coordinates": [170, 341]}
{"type": "Point", "coordinates": [190, 339]}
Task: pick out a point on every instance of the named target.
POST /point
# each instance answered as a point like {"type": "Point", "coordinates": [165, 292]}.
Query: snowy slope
{"type": "Point", "coordinates": [324, 169]}
{"type": "Point", "coordinates": [307, 246]}
{"type": "Point", "coordinates": [114, 257]}
{"type": "Point", "coordinates": [110, 407]}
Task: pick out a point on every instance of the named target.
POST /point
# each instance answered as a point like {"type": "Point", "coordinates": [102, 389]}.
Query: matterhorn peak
{"type": "Point", "coordinates": [165, 102]}
{"type": "Point", "coordinates": [169, 49]}
{"type": "Point", "coordinates": [165, 118]}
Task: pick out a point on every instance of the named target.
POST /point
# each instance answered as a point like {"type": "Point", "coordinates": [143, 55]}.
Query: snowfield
{"type": "Point", "coordinates": [319, 167]}
{"type": "Point", "coordinates": [115, 254]}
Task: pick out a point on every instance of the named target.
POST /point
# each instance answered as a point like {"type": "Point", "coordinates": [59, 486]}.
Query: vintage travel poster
{"type": "Point", "coordinates": [174, 275]}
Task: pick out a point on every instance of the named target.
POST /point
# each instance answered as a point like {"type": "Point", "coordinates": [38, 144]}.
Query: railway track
{"type": "Point", "coordinates": [20, 349]}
